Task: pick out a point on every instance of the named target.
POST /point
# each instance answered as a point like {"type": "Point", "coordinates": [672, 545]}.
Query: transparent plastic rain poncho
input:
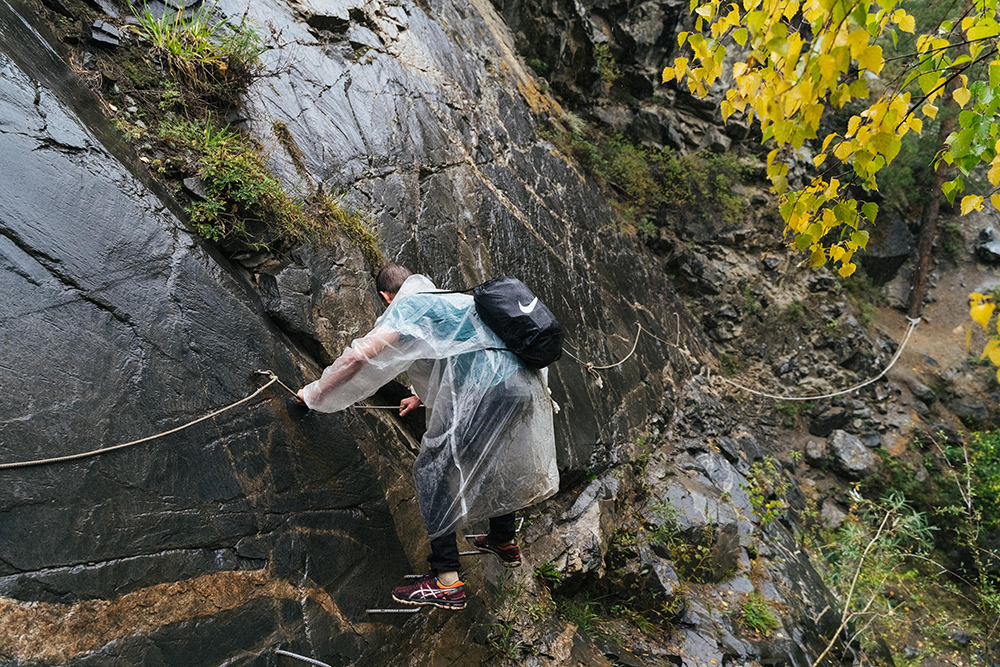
{"type": "Point", "coordinates": [489, 447]}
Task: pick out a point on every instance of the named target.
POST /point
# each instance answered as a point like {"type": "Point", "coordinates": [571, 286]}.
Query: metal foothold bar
{"type": "Point", "coordinates": [302, 658]}
{"type": "Point", "coordinates": [415, 610]}
{"type": "Point", "coordinates": [520, 522]}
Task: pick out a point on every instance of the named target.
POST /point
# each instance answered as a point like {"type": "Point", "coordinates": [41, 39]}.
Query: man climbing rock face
{"type": "Point", "coordinates": [489, 448]}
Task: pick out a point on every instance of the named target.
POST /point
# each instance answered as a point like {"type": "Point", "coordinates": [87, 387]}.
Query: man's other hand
{"type": "Point", "coordinates": [408, 405]}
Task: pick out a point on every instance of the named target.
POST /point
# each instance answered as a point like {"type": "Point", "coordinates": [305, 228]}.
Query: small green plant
{"type": "Point", "coordinates": [766, 487]}
{"type": "Point", "coordinates": [242, 198]}
{"type": "Point", "coordinates": [359, 229]}
{"type": "Point", "coordinates": [750, 303]}
{"type": "Point", "coordinates": [508, 600]}
{"type": "Point", "coordinates": [731, 364]}
{"type": "Point", "coordinates": [607, 68]}
{"type": "Point", "coordinates": [549, 573]}
{"type": "Point", "coordinates": [540, 66]}
{"type": "Point", "coordinates": [585, 613]}
{"type": "Point", "coordinates": [789, 411]}
{"type": "Point", "coordinates": [288, 142]}
{"type": "Point", "coordinates": [690, 550]}
{"type": "Point", "coordinates": [171, 97]}
{"type": "Point", "coordinates": [795, 312]}
{"type": "Point", "coordinates": [756, 615]}
{"type": "Point", "coordinates": [201, 52]}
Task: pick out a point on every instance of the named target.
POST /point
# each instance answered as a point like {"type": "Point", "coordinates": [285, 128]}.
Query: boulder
{"type": "Point", "coordinates": [831, 514]}
{"type": "Point", "coordinates": [815, 452]}
{"type": "Point", "coordinates": [888, 249]}
{"type": "Point", "coordinates": [850, 456]}
{"type": "Point", "coordinates": [828, 421]}
{"type": "Point", "coordinates": [988, 247]}
{"type": "Point", "coordinates": [577, 540]}
{"type": "Point", "coordinates": [923, 392]}
{"type": "Point", "coordinates": [697, 271]}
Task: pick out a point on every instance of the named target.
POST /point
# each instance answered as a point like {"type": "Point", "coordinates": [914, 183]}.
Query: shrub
{"type": "Point", "coordinates": [984, 453]}
{"type": "Point", "coordinates": [213, 57]}
{"type": "Point", "coordinates": [645, 184]}
{"type": "Point", "coordinates": [607, 68]}
{"type": "Point", "coordinates": [245, 204]}
{"type": "Point", "coordinates": [549, 573]}
{"type": "Point", "coordinates": [767, 486]}
{"type": "Point", "coordinates": [756, 615]}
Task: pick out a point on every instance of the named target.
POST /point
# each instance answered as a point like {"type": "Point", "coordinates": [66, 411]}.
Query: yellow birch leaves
{"type": "Point", "coordinates": [981, 309]}
{"type": "Point", "coordinates": [799, 58]}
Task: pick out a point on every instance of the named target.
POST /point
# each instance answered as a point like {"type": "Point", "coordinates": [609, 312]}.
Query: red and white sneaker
{"type": "Point", "coordinates": [427, 590]}
{"type": "Point", "coordinates": [509, 554]}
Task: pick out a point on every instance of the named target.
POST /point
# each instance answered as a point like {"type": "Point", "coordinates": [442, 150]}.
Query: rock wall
{"type": "Point", "coordinates": [424, 115]}
{"type": "Point", "coordinates": [263, 526]}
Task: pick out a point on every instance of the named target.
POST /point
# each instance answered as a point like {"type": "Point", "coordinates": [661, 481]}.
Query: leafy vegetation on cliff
{"type": "Point", "coordinates": [170, 98]}
{"type": "Point", "coordinates": [648, 187]}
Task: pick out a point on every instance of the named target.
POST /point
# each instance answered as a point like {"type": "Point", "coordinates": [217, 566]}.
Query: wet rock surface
{"type": "Point", "coordinates": [119, 325]}
{"type": "Point", "coordinates": [850, 456]}
{"type": "Point", "coordinates": [269, 526]}
{"type": "Point", "coordinates": [988, 246]}
{"type": "Point", "coordinates": [289, 524]}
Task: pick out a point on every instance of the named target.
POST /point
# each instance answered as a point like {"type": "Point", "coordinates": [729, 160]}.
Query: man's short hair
{"type": "Point", "coordinates": [391, 278]}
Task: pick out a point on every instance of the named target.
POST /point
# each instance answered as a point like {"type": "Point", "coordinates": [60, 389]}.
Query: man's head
{"type": "Point", "coordinates": [390, 279]}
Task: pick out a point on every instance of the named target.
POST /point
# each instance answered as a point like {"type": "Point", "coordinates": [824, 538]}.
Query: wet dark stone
{"type": "Point", "coordinates": [103, 32]}
{"type": "Point", "coordinates": [988, 246]}
{"type": "Point", "coordinates": [60, 7]}
{"type": "Point", "coordinates": [972, 411]}
{"type": "Point", "coordinates": [871, 440]}
{"type": "Point", "coordinates": [785, 367]}
{"type": "Point", "coordinates": [850, 457]}
{"type": "Point", "coordinates": [194, 186]}
{"type": "Point", "coordinates": [888, 249]}
{"type": "Point", "coordinates": [108, 7]}
{"type": "Point", "coordinates": [335, 25]}
{"type": "Point", "coordinates": [698, 272]}
{"type": "Point", "coordinates": [923, 392]}
{"type": "Point", "coordinates": [82, 582]}
{"type": "Point", "coordinates": [828, 421]}
{"type": "Point", "coordinates": [822, 282]}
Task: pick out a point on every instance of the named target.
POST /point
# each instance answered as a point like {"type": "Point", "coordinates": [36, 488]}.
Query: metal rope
{"type": "Point", "coordinates": [895, 358]}
{"type": "Point", "coordinates": [103, 450]}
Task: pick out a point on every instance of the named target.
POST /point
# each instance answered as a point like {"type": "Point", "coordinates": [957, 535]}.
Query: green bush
{"type": "Point", "coordinates": [756, 615]}
{"type": "Point", "coordinates": [645, 184]}
{"type": "Point", "coordinates": [984, 454]}
{"type": "Point", "coordinates": [549, 573]}
{"type": "Point", "coordinates": [202, 53]}
{"type": "Point", "coordinates": [245, 204]}
{"type": "Point", "coordinates": [607, 68]}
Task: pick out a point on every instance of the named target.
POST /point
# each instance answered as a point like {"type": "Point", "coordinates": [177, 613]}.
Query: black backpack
{"type": "Point", "coordinates": [524, 324]}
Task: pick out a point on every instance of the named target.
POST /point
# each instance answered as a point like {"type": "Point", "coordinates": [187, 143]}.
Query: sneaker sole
{"type": "Point", "coordinates": [457, 606]}
{"type": "Point", "coordinates": [505, 563]}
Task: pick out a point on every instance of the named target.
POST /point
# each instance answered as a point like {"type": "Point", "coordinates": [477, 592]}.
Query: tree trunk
{"type": "Point", "coordinates": [928, 229]}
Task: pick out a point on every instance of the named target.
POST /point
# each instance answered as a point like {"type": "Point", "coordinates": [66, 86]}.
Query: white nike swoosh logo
{"type": "Point", "coordinates": [530, 307]}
